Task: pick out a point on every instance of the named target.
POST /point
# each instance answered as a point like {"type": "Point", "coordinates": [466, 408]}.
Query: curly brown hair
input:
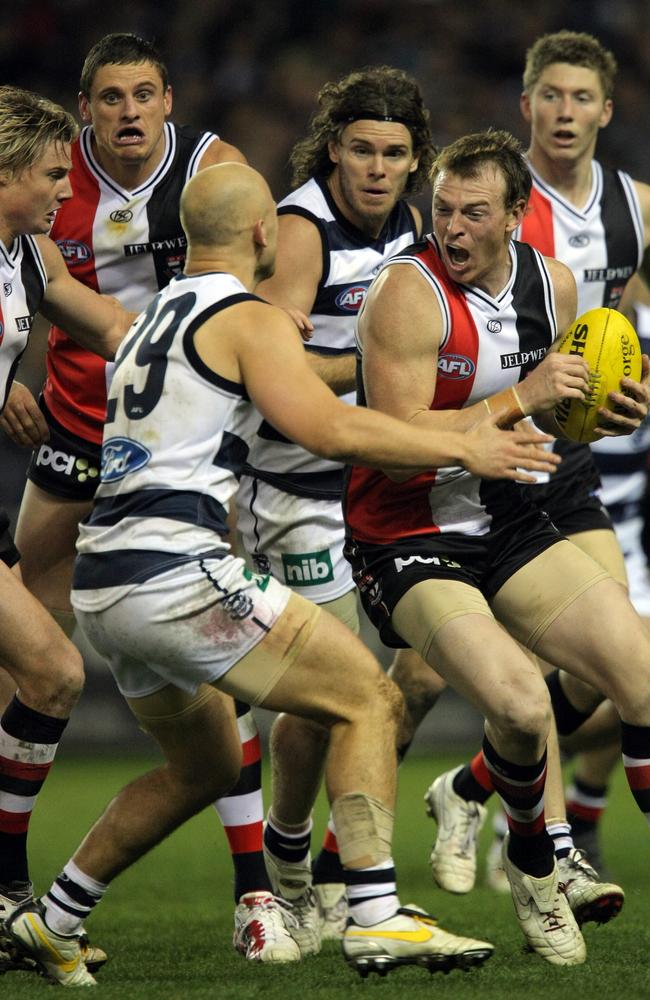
{"type": "Point", "coordinates": [575, 48]}
{"type": "Point", "coordinates": [373, 92]}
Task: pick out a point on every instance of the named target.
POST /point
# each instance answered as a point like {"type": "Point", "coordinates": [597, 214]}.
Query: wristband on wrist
{"type": "Point", "coordinates": [508, 400]}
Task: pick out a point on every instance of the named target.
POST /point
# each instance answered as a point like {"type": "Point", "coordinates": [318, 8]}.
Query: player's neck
{"type": "Point", "coordinates": [201, 261]}
{"type": "Point", "coordinates": [129, 174]}
{"type": "Point", "coordinates": [570, 178]}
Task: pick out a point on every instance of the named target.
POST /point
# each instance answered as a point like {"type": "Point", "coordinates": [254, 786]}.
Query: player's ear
{"type": "Point", "coordinates": [517, 213]}
{"type": "Point", "coordinates": [414, 165]}
{"type": "Point", "coordinates": [524, 106]}
{"type": "Point", "coordinates": [606, 114]}
{"type": "Point", "coordinates": [333, 150]}
{"type": "Point", "coordinates": [259, 234]}
{"type": "Point", "coordinates": [84, 108]}
{"type": "Point", "coordinates": [167, 101]}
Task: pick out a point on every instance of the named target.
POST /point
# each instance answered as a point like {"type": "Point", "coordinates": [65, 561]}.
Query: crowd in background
{"type": "Point", "coordinates": [250, 71]}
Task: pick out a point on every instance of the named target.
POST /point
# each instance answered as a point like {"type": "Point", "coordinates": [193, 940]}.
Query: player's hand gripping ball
{"type": "Point", "coordinates": [609, 344]}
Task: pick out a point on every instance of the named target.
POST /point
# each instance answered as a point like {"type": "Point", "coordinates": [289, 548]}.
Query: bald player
{"type": "Point", "coordinates": [177, 616]}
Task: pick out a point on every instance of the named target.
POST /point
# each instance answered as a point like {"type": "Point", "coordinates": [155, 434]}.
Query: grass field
{"type": "Point", "coordinates": [166, 923]}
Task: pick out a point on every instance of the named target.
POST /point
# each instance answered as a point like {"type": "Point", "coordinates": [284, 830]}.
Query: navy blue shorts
{"type": "Point", "coordinates": [66, 466]}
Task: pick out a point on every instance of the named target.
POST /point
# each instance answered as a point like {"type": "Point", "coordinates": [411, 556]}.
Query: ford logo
{"type": "Point", "coordinates": [121, 456]}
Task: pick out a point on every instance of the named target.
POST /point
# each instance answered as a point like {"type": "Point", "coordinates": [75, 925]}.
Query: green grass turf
{"type": "Point", "coordinates": [166, 923]}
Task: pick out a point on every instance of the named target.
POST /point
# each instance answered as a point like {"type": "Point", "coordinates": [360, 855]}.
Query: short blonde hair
{"type": "Point", "coordinates": [29, 123]}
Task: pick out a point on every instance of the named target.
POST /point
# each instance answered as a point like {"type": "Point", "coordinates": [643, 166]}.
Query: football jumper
{"type": "Point", "coordinates": [488, 344]}
{"type": "Point", "coordinates": [123, 243]}
{"type": "Point", "coordinates": [602, 244]}
{"type": "Point", "coordinates": [24, 281]}
{"type": "Point", "coordinates": [175, 442]}
{"type": "Point", "coordinates": [289, 505]}
{"type": "Point", "coordinates": [623, 463]}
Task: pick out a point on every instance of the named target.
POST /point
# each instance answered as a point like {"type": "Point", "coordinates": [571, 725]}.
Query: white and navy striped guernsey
{"type": "Point", "coordinates": [350, 261]}
{"type": "Point", "coordinates": [175, 442]}
{"type": "Point", "coordinates": [24, 282]}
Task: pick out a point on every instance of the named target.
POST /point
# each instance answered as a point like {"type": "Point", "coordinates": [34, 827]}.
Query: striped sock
{"type": "Point", "coordinates": [585, 804]}
{"type": "Point", "coordinates": [290, 847]}
{"type": "Point", "coordinates": [372, 893]}
{"type": "Point", "coordinates": [560, 833]}
{"type": "Point", "coordinates": [474, 782]}
{"type": "Point", "coordinates": [635, 742]}
{"type": "Point", "coordinates": [28, 743]}
{"type": "Point", "coordinates": [521, 788]}
{"type": "Point", "coordinates": [70, 899]}
{"type": "Point", "coordinates": [327, 867]}
{"type": "Point", "coordinates": [242, 812]}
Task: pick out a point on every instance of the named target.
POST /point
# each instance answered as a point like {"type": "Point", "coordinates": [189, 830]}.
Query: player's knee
{"type": "Point", "coordinates": [55, 679]}
{"type": "Point", "coordinates": [526, 719]}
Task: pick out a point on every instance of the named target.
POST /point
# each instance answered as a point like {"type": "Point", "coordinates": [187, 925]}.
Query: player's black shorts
{"type": "Point", "coordinates": [9, 554]}
{"type": "Point", "coordinates": [66, 466]}
{"type": "Point", "coordinates": [575, 509]}
{"type": "Point", "coordinates": [384, 573]}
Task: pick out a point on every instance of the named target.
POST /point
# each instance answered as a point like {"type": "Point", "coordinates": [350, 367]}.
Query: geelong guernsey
{"type": "Point", "coordinates": [487, 345]}
{"type": "Point", "coordinates": [350, 261]}
{"type": "Point", "coordinates": [123, 243]}
{"type": "Point", "coordinates": [23, 283]}
{"type": "Point", "coordinates": [175, 442]}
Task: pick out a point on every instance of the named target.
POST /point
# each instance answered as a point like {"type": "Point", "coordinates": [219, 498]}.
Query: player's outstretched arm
{"type": "Point", "coordinates": [259, 346]}
{"type": "Point", "coordinates": [97, 322]}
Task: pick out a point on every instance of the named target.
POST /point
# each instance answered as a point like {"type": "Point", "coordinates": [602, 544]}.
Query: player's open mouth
{"type": "Point", "coordinates": [129, 136]}
{"type": "Point", "coordinates": [457, 255]}
{"type": "Point", "coordinates": [564, 135]}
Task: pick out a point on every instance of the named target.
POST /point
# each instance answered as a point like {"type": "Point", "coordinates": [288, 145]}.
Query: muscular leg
{"type": "Point", "coordinates": [202, 750]}
{"type": "Point", "coordinates": [47, 671]}
{"type": "Point", "coordinates": [46, 534]}
{"type": "Point", "coordinates": [421, 687]}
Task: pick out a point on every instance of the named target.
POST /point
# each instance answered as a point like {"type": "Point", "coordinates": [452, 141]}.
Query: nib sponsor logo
{"type": "Point", "coordinates": [307, 569]}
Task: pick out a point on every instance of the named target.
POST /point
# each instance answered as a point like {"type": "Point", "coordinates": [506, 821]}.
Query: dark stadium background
{"type": "Point", "coordinates": [250, 72]}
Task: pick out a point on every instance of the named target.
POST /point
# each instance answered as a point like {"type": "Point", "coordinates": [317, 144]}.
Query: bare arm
{"type": "Point", "coordinates": [221, 152]}
{"type": "Point", "coordinates": [643, 193]}
{"type": "Point", "coordinates": [253, 340]}
{"type": "Point", "coordinates": [97, 322]}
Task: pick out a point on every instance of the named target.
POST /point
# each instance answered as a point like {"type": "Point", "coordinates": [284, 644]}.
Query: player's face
{"type": "Point", "coordinates": [474, 227]}
{"type": "Point", "coordinates": [565, 110]}
{"type": "Point", "coordinates": [29, 202]}
{"type": "Point", "coordinates": [127, 108]}
{"type": "Point", "coordinates": [373, 161]}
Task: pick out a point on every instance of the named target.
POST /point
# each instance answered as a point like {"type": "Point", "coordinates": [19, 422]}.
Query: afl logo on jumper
{"type": "Point", "coordinates": [120, 456]}
{"type": "Point", "coordinates": [494, 326]}
{"type": "Point", "coordinates": [74, 252]}
{"type": "Point", "coordinates": [121, 215]}
{"type": "Point", "coordinates": [455, 366]}
{"type": "Point", "coordinates": [579, 240]}
{"type": "Point", "coordinates": [351, 299]}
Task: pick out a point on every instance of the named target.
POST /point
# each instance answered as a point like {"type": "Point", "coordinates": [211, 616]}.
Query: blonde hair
{"type": "Point", "coordinates": [29, 123]}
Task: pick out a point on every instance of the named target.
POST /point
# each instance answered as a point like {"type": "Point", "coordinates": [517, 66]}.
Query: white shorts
{"type": "Point", "coordinates": [179, 628]}
{"type": "Point", "coordinates": [636, 567]}
{"type": "Point", "coordinates": [298, 540]}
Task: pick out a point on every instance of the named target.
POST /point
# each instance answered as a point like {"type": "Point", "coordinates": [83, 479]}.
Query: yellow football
{"type": "Point", "coordinates": [609, 344]}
